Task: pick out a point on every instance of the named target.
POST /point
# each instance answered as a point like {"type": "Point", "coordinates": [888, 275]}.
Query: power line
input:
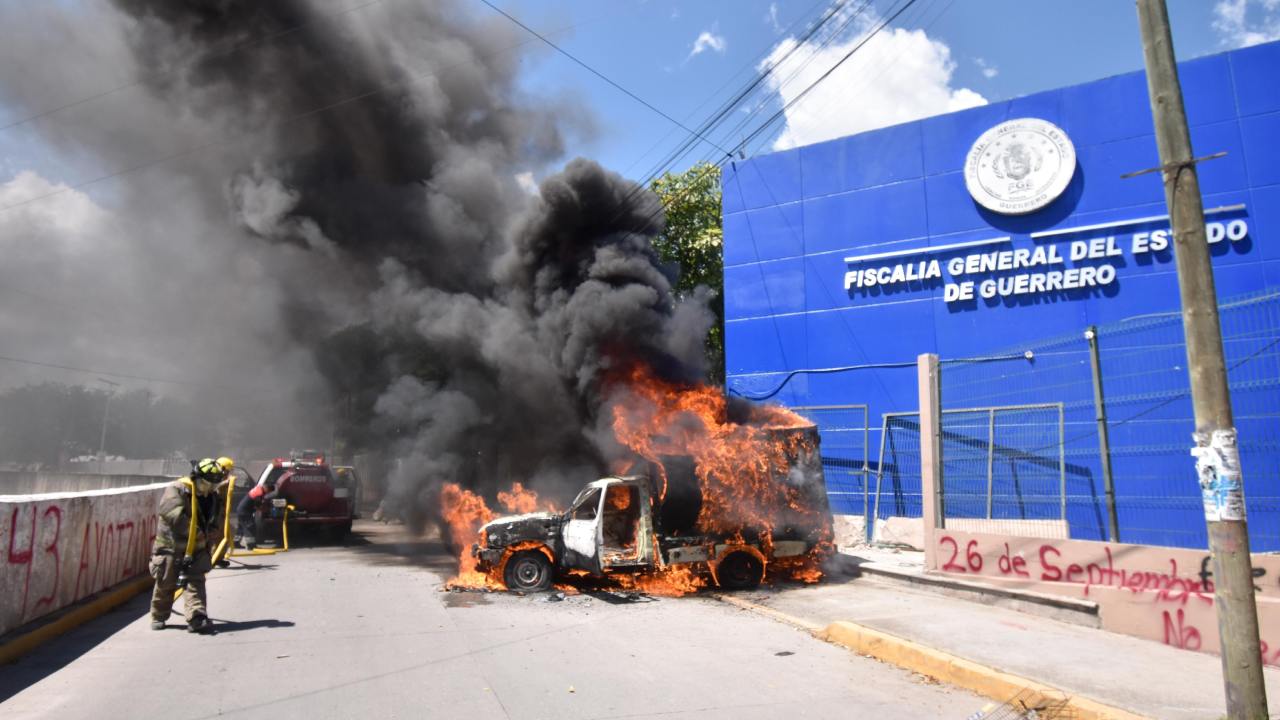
{"type": "Point", "coordinates": [143, 378]}
{"type": "Point", "coordinates": [718, 117]}
{"type": "Point", "coordinates": [750, 64]}
{"type": "Point", "coordinates": [803, 93]}
{"type": "Point", "coordinates": [599, 74]}
{"type": "Point", "coordinates": [724, 160]}
{"type": "Point", "coordinates": [871, 366]}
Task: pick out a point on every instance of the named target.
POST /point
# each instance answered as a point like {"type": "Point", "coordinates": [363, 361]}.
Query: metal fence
{"type": "Point", "coordinates": [1118, 444]}
{"type": "Point", "coordinates": [1000, 464]}
{"type": "Point", "coordinates": [845, 436]}
{"type": "Point", "coordinates": [898, 492]}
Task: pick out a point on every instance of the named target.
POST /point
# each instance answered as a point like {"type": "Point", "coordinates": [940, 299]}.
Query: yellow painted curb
{"type": "Point", "coordinates": [29, 641]}
{"type": "Point", "coordinates": [939, 665]}
{"type": "Point", "coordinates": [957, 671]}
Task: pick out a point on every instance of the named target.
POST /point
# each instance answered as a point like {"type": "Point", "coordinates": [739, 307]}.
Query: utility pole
{"type": "Point", "coordinates": [1216, 451]}
{"type": "Point", "coordinates": [106, 411]}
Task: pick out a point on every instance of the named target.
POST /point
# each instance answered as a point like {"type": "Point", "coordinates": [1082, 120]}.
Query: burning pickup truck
{"type": "Point", "coordinates": [728, 524]}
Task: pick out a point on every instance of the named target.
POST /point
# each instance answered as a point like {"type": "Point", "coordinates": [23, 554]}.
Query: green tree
{"type": "Point", "coordinates": [694, 239]}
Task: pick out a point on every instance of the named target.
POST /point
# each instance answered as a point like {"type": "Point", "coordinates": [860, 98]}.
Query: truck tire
{"type": "Point", "coordinates": [527, 571]}
{"type": "Point", "coordinates": [739, 571]}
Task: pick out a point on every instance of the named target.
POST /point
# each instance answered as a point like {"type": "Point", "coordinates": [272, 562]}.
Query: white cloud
{"type": "Point", "coordinates": [1241, 23]}
{"type": "Point", "coordinates": [527, 182]}
{"type": "Point", "coordinates": [988, 70]}
{"type": "Point", "coordinates": [771, 17]}
{"type": "Point", "coordinates": [48, 218]}
{"type": "Point", "coordinates": [897, 76]}
{"type": "Point", "coordinates": [708, 40]}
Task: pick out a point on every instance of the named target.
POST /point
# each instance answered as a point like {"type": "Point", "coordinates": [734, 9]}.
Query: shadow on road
{"type": "Point", "coordinates": [52, 657]}
{"type": "Point", "coordinates": [228, 626]}
{"type": "Point", "coordinates": [395, 545]}
{"type": "Point", "coordinates": [241, 565]}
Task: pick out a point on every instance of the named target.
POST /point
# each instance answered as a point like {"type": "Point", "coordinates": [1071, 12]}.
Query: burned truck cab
{"type": "Point", "coordinates": [608, 527]}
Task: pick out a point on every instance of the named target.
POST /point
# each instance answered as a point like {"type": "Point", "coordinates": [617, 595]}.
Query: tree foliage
{"type": "Point", "coordinates": [694, 239]}
{"type": "Point", "coordinates": [50, 422]}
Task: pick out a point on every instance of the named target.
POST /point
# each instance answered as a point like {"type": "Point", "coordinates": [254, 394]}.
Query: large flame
{"type": "Point", "coordinates": [738, 468]}
{"type": "Point", "coordinates": [520, 500]}
{"type": "Point", "coordinates": [738, 465]}
{"type": "Point", "coordinates": [464, 512]}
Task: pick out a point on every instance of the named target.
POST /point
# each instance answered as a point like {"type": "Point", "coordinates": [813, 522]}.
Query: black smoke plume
{"type": "Point", "coordinates": [356, 193]}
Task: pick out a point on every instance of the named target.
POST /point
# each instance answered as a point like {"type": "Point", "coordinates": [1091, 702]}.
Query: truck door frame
{"type": "Point", "coordinates": [646, 552]}
{"type": "Point", "coordinates": [582, 538]}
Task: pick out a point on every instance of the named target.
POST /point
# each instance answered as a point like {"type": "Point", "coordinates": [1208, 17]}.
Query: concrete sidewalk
{"type": "Point", "coordinates": [1141, 676]}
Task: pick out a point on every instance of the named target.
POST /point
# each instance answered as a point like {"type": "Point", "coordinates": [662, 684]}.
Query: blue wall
{"type": "Point", "coordinates": [791, 218]}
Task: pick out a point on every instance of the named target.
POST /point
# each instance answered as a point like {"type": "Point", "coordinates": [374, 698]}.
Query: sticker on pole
{"type": "Point", "coordinates": [1218, 467]}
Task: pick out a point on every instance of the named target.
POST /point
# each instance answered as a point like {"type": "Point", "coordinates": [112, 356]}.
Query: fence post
{"type": "Point", "coordinates": [1062, 464]}
{"type": "Point", "coordinates": [866, 472]}
{"type": "Point", "coordinates": [991, 456]}
{"type": "Point", "coordinates": [1104, 439]}
{"type": "Point", "coordinates": [933, 515]}
{"type": "Point", "coordinates": [875, 509]}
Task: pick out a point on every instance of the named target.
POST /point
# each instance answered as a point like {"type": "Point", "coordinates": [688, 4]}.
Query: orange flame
{"type": "Point", "coordinates": [464, 513]}
{"type": "Point", "coordinates": [672, 581]}
{"type": "Point", "coordinates": [518, 500]}
{"type": "Point", "coordinates": [740, 467]}
{"type": "Point", "coordinates": [742, 474]}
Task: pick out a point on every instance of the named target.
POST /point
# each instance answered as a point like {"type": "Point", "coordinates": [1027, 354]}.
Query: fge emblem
{"type": "Point", "coordinates": [1019, 166]}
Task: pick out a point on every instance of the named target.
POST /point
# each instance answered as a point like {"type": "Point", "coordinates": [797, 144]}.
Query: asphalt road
{"type": "Point", "coordinates": [364, 631]}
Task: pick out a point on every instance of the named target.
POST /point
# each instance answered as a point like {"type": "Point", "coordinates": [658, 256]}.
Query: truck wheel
{"type": "Point", "coordinates": [527, 571]}
{"type": "Point", "coordinates": [739, 571]}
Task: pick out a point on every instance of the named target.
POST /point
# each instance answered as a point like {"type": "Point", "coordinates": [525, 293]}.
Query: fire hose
{"type": "Point", "coordinates": [225, 547]}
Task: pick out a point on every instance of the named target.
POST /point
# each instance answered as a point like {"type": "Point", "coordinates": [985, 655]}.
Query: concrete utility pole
{"type": "Point", "coordinates": [1217, 454]}
{"type": "Point", "coordinates": [106, 411]}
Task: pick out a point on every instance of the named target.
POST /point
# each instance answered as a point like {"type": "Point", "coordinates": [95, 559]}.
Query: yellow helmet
{"type": "Point", "coordinates": [226, 463]}
{"type": "Point", "coordinates": [208, 467]}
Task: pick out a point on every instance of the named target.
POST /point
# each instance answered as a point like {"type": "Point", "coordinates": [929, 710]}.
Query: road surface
{"type": "Point", "coordinates": [364, 631]}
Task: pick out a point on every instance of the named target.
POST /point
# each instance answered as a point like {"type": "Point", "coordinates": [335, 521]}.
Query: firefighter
{"type": "Point", "coordinates": [258, 495]}
{"type": "Point", "coordinates": [187, 525]}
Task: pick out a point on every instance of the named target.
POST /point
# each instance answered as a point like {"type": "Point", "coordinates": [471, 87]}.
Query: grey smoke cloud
{"type": "Point", "coordinates": [356, 238]}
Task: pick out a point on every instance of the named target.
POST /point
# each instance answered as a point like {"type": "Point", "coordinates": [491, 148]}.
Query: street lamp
{"type": "Point", "coordinates": [106, 411]}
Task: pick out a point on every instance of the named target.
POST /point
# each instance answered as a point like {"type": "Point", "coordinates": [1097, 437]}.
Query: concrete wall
{"type": "Point", "coordinates": [25, 483]}
{"type": "Point", "coordinates": [1158, 593]}
{"type": "Point", "coordinates": [910, 532]}
{"type": "Point", "coordinates": [59, 548]}
{"type": "Point", "coordinates": [160, 466]}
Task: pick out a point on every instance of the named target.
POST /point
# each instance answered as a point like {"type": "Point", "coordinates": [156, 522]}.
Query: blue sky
{"type": "Point", "coordinates": [684, 56]}
{"type": "Point", "coordinates": [998, 48]}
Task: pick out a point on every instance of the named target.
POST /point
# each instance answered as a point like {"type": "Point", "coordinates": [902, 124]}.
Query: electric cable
{"type": "Point", "coordinates": [804, 93]}
{"type": "Point", "coordinates": [142, 378]}
{"type": "Point", "coordinates": [743, 69]}
{"type": "Point", "coordinates": [592, 70]}
{"type": "Point", "coordinates": [870, 366]}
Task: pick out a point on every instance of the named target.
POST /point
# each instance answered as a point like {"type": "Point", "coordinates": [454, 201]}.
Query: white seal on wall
{"type": "Point", "coordinates": [1019, 166]}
